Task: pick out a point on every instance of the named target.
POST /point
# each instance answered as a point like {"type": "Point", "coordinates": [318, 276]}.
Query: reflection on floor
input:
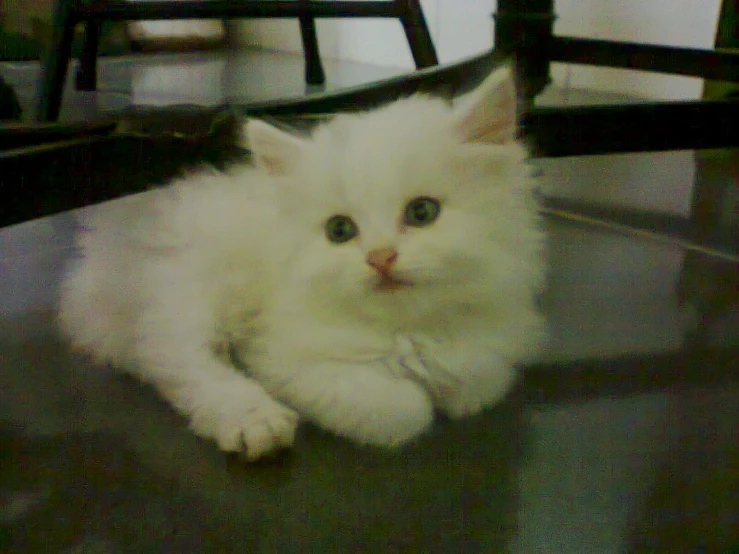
{"type": "Point", "coordinates": [622, 439]}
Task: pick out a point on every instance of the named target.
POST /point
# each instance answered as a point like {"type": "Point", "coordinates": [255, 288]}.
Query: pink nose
{"type": "Point", "coordinates": [382, 259]}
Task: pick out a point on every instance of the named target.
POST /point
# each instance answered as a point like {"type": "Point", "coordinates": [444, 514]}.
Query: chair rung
{"type": "Point", "coordinates": [217, 9]}
{"type": "Point", "coordinates": [709, 64]}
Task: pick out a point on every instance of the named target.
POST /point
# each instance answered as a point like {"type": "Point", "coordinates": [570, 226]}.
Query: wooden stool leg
{"type": "Point", "coordinates": [417, 32]}
{"type": "Point", "coordinates": [314, 74]}
{"type": "Point", "coordinates": [87, 70]}
{"type": "Point", "coordinates": [56, 62]}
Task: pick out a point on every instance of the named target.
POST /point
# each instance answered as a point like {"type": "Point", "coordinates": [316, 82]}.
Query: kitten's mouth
{"type": "Point", "coordinates": [389, 283]}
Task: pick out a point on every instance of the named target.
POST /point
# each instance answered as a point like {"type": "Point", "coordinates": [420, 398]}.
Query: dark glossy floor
{"type": "Point", "coordinates": [623, 439]}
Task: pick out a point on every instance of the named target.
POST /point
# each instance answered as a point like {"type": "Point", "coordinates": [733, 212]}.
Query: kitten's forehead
{"type": "Point", "coordinates": [376, 158]}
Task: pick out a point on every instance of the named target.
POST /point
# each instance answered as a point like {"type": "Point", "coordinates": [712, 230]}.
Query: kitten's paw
{"type": "Point", "coordinates": [398, 416]}
{"type": "Point", "coordinates": [241, 421]}
{"type": "Point", "coordinates": [458, 405]}
{"type": "Point", "coordinates": [468, 399]}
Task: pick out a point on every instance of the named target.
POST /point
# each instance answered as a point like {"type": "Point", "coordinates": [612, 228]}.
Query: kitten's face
{"type": "Point", "coordinates": [398, 207]}
{"type": "Point", "coordinates": [371, 228]}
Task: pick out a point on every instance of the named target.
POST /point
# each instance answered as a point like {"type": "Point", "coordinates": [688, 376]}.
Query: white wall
{"type": "Point", "coordinates": [461, 28]}
{"type": "Point", "coordinates": [207, 29]}
{"type": "Point", "coordinates": [689, 23]}
{"type": "Point", "coordinates": [456, 32]}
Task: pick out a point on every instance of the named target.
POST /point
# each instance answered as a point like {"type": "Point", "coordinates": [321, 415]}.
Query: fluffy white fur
{"type": "Point", "coordinates": [168, 280]}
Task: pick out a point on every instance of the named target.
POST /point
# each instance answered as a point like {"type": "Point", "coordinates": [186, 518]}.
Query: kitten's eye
{"type": "Point", "coordinates": [341, 228]}
{"type": "Point", "coordinates": [422, 211]}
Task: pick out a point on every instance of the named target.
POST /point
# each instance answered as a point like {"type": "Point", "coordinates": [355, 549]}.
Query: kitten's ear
{"type": "Point", "coordinates": [274, 150]}
{"type": "Point", "coordinates": [488, 114]}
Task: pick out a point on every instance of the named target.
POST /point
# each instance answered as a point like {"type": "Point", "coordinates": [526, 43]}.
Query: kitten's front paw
{"type": "Point", "coordinates": [390, 417]}
{"type": "Point", "coordinates": [471, 398]}
{"type": "Point", "coordinates": [457, 404]}
{"type": "Point", "coordinates": [241, 421]}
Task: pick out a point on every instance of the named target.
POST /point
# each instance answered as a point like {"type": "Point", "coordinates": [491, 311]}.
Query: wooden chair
{"type": "Point", "coordinates": [92, 13]}
{"type": "Point", "coordinates": [524, 28]}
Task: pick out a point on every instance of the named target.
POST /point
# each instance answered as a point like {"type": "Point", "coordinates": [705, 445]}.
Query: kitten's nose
{"type": "Point", "coordinates": [382, 259]}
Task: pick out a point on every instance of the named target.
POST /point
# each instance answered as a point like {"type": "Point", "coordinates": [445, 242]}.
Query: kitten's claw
{"type": "Point", "coordinates": [271, 433]}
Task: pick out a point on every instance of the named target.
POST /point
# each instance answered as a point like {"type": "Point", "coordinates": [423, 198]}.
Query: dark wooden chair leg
{"type": "Point", "coordinates": [56, 62]}
{"type": "Point", "coordinates": [87, 70]}
{"type": "Point", "coordinates": [314, 74]}
{"type": "Point", "coordinates": [417, 32]}
{"type": "Point", "coordinates": [524, 30]}
{"type": "Point", "coordinates": [10, 109]}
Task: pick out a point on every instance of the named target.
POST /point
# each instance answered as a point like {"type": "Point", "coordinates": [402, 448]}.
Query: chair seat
{"type": "Point", "coordinates": [93, 13]}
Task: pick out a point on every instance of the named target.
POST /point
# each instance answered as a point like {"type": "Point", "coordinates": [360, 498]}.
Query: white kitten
{"type": "Point", "coordinates": [383, 267]}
